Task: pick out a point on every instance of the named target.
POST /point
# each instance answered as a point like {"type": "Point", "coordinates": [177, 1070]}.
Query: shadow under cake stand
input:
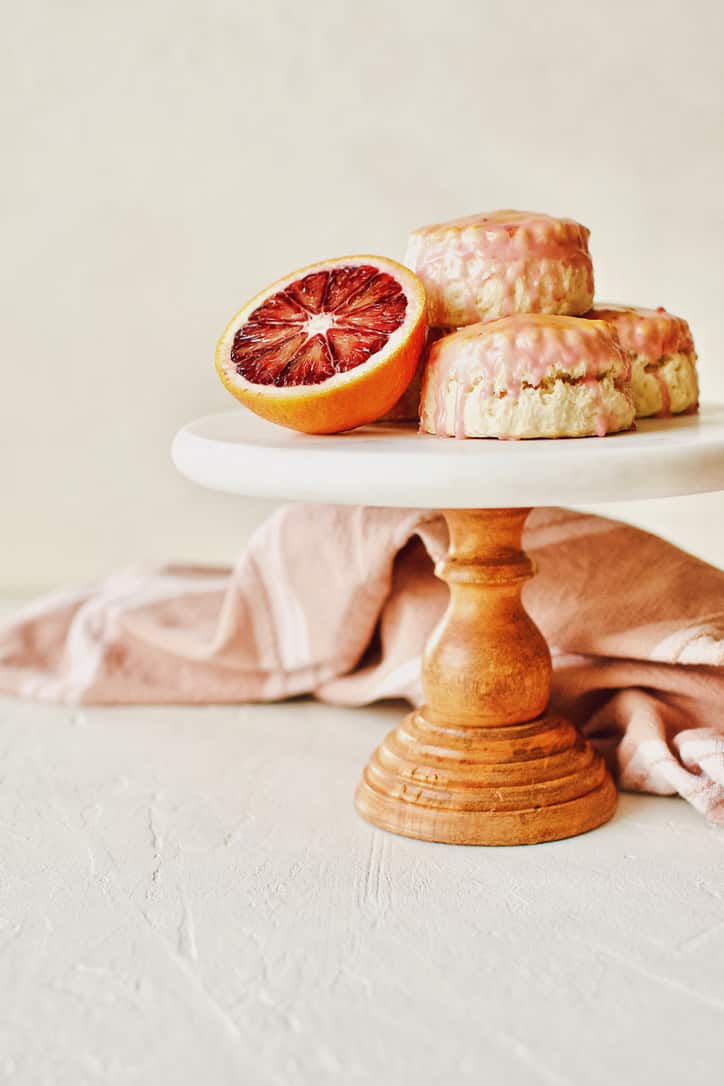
{"type": "Point", "coordinates": [483, 761]}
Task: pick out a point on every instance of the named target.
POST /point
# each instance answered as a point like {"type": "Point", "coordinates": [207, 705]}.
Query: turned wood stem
{"type": "Point", "coordinates": [482, 761]}
{"type": "Point", "coordinates": [487, 662]}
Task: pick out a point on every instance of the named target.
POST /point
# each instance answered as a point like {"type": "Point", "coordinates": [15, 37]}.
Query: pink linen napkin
{"type": "Point", "coordinates": [339, 602]}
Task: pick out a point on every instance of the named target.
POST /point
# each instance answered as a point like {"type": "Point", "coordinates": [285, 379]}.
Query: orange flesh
{"type": "Point", "coordinates": [326, 323]}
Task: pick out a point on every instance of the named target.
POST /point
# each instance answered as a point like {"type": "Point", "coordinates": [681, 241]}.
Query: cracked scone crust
{"type": "Point", "coordinates": [492, 265]}
{"type": "Point", "coordinates": [664, 379]}
{"type": "Point", "coordinates": [527, 376]}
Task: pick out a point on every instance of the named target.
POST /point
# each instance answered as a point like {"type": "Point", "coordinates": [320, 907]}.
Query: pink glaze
{"type": "Point", "coordinates": [506, 235]}
{"type": "Point", "coordinates": [502, 256]}
{"type": "Point", "coordinates": [665, 392]}
{"type": "Point", "coordinates": [601, 420]}
{"type": "Point", "coordinates": [650, 333]}
{"type": "Point", "coordinates": [504, 355]}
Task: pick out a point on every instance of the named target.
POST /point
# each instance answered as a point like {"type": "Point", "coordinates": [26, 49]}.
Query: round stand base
{"type": "Point", "coordinates": [510, 785]}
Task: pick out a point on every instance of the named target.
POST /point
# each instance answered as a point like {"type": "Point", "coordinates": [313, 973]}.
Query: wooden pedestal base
{"type": "Point", "coordinates": [482, 763]}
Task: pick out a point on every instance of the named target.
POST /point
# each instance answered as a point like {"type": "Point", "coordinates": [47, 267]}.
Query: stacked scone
{"type": "Point", "coordinates": [529, 375]}
{"type": "Point", "coordinates": [516, 349]}
{"type": "Point", "coordinates": [660, 346]}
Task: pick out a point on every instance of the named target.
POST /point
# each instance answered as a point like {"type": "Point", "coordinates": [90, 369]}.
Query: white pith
{"type": "Point", "coordinates": [319, 322]}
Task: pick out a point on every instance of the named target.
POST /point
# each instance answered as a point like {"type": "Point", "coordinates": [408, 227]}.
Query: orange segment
{"type": "Point", "coordinates": [329, 347]}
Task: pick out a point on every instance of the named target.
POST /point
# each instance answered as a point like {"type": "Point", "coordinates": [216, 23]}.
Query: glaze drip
{"type": "Point", "coordinates": [650, 333]}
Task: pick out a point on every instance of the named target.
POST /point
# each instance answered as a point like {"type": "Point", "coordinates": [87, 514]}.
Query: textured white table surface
{"type": "Point", "coordinates": [187, 896]}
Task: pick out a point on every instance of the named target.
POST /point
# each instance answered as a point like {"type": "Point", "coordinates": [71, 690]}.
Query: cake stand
{"type": "Point", "coordinates": [483, 761]}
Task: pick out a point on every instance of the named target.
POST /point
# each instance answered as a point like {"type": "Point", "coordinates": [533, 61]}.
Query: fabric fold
{"type": "Point", "coordinates": [338, 602]}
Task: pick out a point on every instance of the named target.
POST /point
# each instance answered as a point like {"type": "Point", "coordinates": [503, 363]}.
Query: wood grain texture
{"type": "Point", "coordinates": [483, 762]}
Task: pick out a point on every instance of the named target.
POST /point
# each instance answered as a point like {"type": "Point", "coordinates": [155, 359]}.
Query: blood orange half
{"type": "Point", "coordinates": [327, 348]}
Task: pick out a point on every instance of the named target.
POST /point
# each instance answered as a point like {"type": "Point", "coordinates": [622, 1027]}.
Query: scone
{"type": "Point", "coordinates": [527, 376]}
{"type": "Point", "coordinates": [488, 266]}
{"type": "Point", "coordinates": [663, 360]}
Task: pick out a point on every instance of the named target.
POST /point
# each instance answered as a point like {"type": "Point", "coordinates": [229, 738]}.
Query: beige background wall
{"type": "Point", "coordinates": [164, 159]}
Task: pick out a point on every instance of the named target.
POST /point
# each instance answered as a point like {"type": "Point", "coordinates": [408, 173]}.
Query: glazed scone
{"type": "Point", "coordinates": [527, 376]}
{"type": "Point", "coordinates": [664, 378]}
{"type": "Point", "coordinates": [492, 265]}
